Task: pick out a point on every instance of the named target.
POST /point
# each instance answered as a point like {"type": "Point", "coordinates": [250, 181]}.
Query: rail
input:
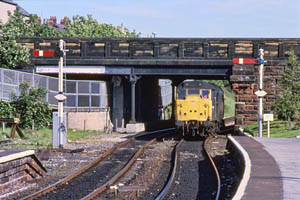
{"type": "Point", "coordinates": [214, 167]}
{"type": "Point", "coordinates": [96, 161]}
{"type": "Point", "coordinates": [165, 190]}
{"type": "Point", "coordinates": [121, 172]}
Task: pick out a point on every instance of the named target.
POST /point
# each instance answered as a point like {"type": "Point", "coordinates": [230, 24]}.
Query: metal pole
{"type": "Point", "coordinates": [260, 115]}
{"type": "Point", "coordinates": [268, 128]}
{"type": "Point", "coordinates": [133, 102]}
{"type": "Point", "coordinates": [173, 102]}
{"type": "Point", "coordinates": [60, 91]}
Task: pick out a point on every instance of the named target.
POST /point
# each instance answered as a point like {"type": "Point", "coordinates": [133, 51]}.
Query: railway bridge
{"type": "Point", "coordinates": [128, 62]}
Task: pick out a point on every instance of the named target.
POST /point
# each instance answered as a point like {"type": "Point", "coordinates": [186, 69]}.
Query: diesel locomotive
{"type": "Point", "coordinates": [199, 108]}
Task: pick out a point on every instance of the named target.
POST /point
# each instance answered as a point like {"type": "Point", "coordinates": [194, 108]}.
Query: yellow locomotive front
{"type": "Point", "coordinates": [196, 105]}
{"type": "Point", "coordinates": [193, 109]}
{"type": "Point", "coordinates": [199, 108]}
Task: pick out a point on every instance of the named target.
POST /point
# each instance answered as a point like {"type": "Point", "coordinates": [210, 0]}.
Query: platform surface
{"type": "Point", "coordinates": [9, 155]}
{"type": "Point", "coordinates": [265, 179]}
{"type": "Point", "coordinates": [286, 152]}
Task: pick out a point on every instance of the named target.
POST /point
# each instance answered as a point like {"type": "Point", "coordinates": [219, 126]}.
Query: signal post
{"type": "Point", "coordinates": [260, 93]}
{"type": "Point", "coordinates": [60, 140]}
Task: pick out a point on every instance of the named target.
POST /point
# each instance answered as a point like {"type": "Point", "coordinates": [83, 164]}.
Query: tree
{"type": "Point", "coordinates": [41, 30]}
{"type": "Point", "coordinates": [13, 54]}
{"type": "Point", "coordinates": [89, 27]}
{"type": "Point", "coordinates": [287, 104]}
{"type": "Point", "coordinates": [31, 107]}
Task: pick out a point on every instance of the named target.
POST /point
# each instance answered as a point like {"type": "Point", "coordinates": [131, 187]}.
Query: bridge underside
{"type": "Point", "coordinates": [134, 89]}
{"type": "Point", "coordinates": [207, 72]}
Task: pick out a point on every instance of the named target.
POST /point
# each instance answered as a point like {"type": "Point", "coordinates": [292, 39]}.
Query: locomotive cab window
{"type": "Point", "coordinates": [181, 94]}
{"type": "Point", "coordinates": [205, 94]}
{"type": "Point", "coordinates": [194, 91]}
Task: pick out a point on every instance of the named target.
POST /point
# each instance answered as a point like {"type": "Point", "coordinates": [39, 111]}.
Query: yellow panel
{"type": "Point", "coordinates": [193, 108]}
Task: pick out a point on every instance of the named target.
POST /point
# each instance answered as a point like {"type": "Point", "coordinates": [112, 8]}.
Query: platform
{"type": "Point", "coordinates": [265, 178]}
{"type": "Point", "coordinates": [9, 155]}
{"type": "Point", "coordinates": [286, 152]}
{"type": "Point", "coordinates": [17, 167]}
{"type": "Point", "coordinates": [275, 168]}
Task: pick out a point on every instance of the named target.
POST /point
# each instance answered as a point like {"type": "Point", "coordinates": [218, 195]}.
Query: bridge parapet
{"type": "Point", "coordinates": [161, 51]}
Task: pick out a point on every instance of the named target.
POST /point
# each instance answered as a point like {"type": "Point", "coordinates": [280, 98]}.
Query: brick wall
{"type": "Point", "coordinates": [244, 82]}
{"type": "Point", "coordinates": [15, 174]}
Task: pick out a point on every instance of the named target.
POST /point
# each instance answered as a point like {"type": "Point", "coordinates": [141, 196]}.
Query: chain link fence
{"type": "Point", "coordinates": [85, 95]}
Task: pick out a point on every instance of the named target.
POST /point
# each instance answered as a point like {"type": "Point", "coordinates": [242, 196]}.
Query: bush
{"type": "Point", "coordinates": [6, 110]}
{"type": "Point", "coordinates": [32, 108]}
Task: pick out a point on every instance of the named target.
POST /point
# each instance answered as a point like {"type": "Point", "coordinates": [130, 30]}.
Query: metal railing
{"type": "Point", "coordinates": [91, 95]}
{"type": "Point", "coordinates": [80, 94]}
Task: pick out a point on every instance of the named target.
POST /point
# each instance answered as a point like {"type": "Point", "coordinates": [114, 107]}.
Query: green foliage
{"type": "Point", "coordinates": [89, 27]}
{"type": "Point", "coordinates": [6, 109]}
{"type": "Point", "coordinates": [287, 104]}
{"type": "Point", "coordinates": [220, 83]}
{"type": "Point", "coordinates": [11, 53]}
{"type": "Point", "coordinates": [229, 96]}
{"type": "Point", "coordinates": [32, 108]}
{"type": "Point", "coordinates": [43, 138]}
{"type": "Point", "coordinates": [41, 30]}
{"type": "Point", "coordinates": [277, 129]}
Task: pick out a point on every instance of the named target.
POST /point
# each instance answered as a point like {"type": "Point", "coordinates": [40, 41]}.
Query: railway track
{"type": "Point", "coordinates": [194, 174]}
{"type": "Point", "coordinates": [96, 177]}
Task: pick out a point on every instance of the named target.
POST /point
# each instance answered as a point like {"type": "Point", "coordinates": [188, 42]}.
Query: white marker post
{"type": "Point", "coordinates": [268, 118]}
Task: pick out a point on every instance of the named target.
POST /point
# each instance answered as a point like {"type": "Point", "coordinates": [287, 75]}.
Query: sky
{"type": "Point", "coordinates": [183, 18]}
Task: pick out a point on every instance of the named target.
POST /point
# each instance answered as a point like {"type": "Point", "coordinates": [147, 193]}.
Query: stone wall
{"type": "Point", "coordinates": [244, 82]}
{"type": "Point", "coordinates": [87, 120]}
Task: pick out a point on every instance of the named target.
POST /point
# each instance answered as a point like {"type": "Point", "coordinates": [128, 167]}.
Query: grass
{"type": "Point", "coordinates": [229, 102]}
{"type": "Point", "coordinates": [43, 138]}
{"type": "Point", "coordinates": [277, 129]}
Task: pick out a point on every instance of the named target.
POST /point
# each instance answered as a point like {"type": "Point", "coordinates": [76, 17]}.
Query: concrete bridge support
{"type": "Point", "coordinates": [117, 101]}
{"type": "Point", "coordinates": [244, 80]}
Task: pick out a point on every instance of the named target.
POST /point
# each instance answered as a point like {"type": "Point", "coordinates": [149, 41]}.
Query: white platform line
{"type": "Point", "coordinates": [247, 171]}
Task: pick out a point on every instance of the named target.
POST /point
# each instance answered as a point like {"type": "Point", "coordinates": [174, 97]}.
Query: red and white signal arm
{"type": "Point", "coordinates": [43, 53]}
{"type": "Point", "coordinates": [244, 61]}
